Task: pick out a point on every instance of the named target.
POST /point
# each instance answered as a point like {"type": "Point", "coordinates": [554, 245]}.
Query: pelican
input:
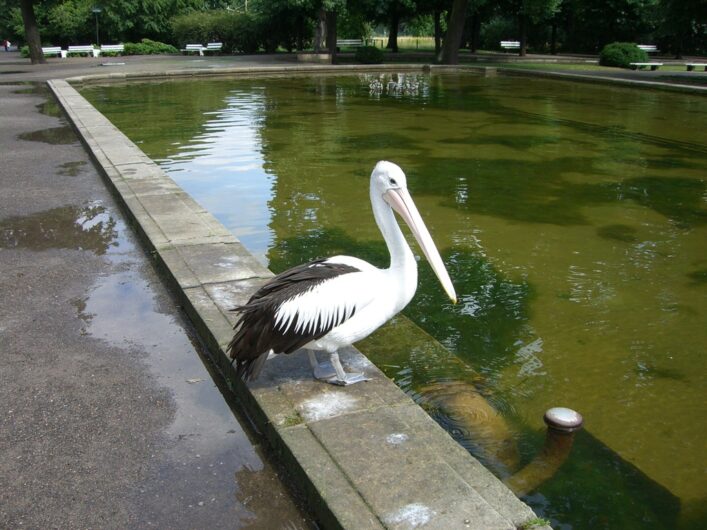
{"type": "Point", "coordinates": [331, 303]}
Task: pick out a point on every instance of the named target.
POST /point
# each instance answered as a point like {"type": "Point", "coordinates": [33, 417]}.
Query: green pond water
{"type": "Point", "coordinates": [573, 221]}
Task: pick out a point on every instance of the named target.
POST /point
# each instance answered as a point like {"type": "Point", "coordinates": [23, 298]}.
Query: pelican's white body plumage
{"type": "Point", "coordinates": [331, 303]}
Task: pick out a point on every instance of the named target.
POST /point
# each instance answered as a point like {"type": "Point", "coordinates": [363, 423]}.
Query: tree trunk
{"type": "Point", "coordinates": [32, 32]}
{"type": "Point", "coordinates": [393, 33]}
{"type": "Point", "coordinates": [523, 30]}
{"type": "Point", "coordinates": [475, 32]}
{"type": "Point", "coordinates": [438, 31]}
{"type": "Point", "coordinates": [553, 39]}
{"type": "Point", "coordinates": [320, 31]}
{"type": "Point", "coordinates": [331, 32]}
{"type": "Point", "coordinates": [300, 33]}
{"type": "Point", "coordinates": [455, 29]}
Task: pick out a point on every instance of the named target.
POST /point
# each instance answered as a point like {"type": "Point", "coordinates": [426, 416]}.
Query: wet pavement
{"type": "Point", "coordinates": [109, 417]}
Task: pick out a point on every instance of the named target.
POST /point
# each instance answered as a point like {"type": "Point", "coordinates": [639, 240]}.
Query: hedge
{"type": "Point", "coordinates": [621, 54]}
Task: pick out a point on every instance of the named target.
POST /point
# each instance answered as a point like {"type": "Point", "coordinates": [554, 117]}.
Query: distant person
{"type": "Point", "coordinates": [6, 44]}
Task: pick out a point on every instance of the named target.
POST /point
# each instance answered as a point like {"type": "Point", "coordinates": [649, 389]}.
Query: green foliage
{"type": "Point", "coordinates": [496, 30]}
{"type": "Point", "coordinates": [149, 47]}
{"type": "Point", "coordinates": [621, 54]}
{"type": "Point", "coordinates": [534, 523]}
{"type": "Point", "coordinates": [289, 23]}
{"type": "Point", "coordinates": [369, 55]}
{"type": "Point", "coordinates": [239, 32]}
{"type": "Point", "coordinates": [71, 22]}
{"type": "Point", "coordinates": [24, 51]}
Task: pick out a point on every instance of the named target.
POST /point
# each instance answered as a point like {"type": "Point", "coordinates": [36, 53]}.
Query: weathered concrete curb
{"type": "Point", "coordinates": [366, 456]}
{"type": "Point", "coordinates": [605, 80]}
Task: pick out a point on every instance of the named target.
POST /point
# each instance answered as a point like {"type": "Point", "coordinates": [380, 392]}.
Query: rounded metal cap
{"type": "Point", "coordinates": [563, 419]}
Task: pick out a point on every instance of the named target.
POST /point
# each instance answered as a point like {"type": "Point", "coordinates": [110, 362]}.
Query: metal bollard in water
{"type": "Point", "coordinates": [562, 423]}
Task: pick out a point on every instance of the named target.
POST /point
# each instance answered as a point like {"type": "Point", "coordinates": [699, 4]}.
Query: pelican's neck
{"type": "Point", "coordinates": [401, 257]}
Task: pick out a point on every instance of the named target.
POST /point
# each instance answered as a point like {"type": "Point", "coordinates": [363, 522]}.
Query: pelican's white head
{"type": "Point", "coordinates": [389, 182]}
{"type": "Point", "coordinates": [386, 176]}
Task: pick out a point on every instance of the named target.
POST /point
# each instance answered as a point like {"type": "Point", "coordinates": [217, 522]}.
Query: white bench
{"type": "Point", "coordinates": [213, 47]}
{"type": "Point", "coordinates": [648, 48]}
{"type": "Point", "coordinates": [54, 50]}
{"type": "Point", "coordinates": [510, 45]}
{"type": "Point", "coordinates": [654, 66]}
{"type": "Point", "coordinates": [196, 48]}
{"type": "Point", "coordinates": [349, 43]}
{"type": "Point", "coordinates": [87, 49]}
{"type": "Point", "coordinates": [692, 66]}
{"type": "Point", "coordinates": [112, 48]}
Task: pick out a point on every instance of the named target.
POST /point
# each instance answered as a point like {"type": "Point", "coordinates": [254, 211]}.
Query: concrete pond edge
{"type": "Point", "coordinates": [365, 456]}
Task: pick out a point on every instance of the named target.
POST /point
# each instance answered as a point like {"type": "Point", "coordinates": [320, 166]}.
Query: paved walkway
{"type": "Point", "coordinates": [108, 416]}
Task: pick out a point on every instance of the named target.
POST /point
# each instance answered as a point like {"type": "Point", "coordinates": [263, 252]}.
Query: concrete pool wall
{"type": "Point", "coordinates": [365, 456]}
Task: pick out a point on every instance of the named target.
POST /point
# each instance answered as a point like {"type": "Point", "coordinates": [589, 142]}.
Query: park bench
{"type": "Point", "coordinates": [349, 43]}
{"type": "Point", "coordinates": [648, 48]}
{"type": "Point", "coordinates": [654, 66]}
{"type": "Point", "coordinates": [112, 48]}
{"type": "Point", "coordinates": [214, 47]}
{"type": "Point", "coordinates": [510, 45]}
{"type": "Point", "coordinates": [692, 66]}
{"type": "Point", "coordinates": [87, 49]}
{"type": "Point", "coordinates": [197, 48]}
{"type": "Point", "coordinates": [54, 50]}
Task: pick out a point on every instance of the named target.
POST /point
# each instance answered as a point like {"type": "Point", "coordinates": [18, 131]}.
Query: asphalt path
{"type": "Point", "coordinates": [109, 417]}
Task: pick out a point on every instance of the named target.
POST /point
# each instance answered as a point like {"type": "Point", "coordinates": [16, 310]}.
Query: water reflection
{"type": "Point", "coordinates": [229, 143]}
{"type": "Point", "coordinates": [205, 444]}
{"type": "Point", "coordinates": [90, 227]}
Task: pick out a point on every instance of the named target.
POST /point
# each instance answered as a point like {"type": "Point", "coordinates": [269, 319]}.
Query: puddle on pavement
{"type": "Point", "coordinates": [50, 108]}
{"type": "Point", "coordinates": [71, 169]}
{"type": "Point", "coordinates": [89, 227]}
{"type": "Point", "coordinates": [31, 87]}
{"type": "Point", "coordinates": [209, 447]}
{"type": "Point", "coordinates": [54, 135]}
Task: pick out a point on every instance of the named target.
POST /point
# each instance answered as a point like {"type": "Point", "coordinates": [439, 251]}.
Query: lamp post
{"type": "Point", "coordinates": [96, 10]}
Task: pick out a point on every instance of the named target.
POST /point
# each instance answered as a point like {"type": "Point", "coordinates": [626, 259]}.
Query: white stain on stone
{"type": "Point", "coordinates": [326, 405]}
{"type": "Point", "coordinates": [227, 262]}
{"type": "Point", "coordinates": [223, 295]}
{"type": "Point", "coordinates": [397, 438]}
{"type": "Point", "coordinates": [410, 516]}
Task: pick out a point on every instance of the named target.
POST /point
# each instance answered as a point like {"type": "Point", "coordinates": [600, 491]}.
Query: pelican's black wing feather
{"type": "Point", "coordinates": [256, 332]}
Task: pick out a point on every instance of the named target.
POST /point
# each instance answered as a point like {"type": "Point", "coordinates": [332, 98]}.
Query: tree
{"type": "Point", "coordinates": [32, 32]}
{"type": "Point", "coordinates": [455, 31]}
{"type": "Point", "coordinates": [684, 25]}
{"type": "Point", "coordinates": [434, 8]}
{"type": "Point", "coordinates": [534, 11]}
{"type": "Point", "coordinates": [478, 11]}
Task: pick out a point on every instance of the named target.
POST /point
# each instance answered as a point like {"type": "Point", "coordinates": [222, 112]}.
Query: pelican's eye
{"type": "Point", "coordinates": [393, 182]}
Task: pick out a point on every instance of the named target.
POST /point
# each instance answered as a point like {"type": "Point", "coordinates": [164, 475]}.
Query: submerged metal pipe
{"type": "Point", "coordinates": [561, 423]}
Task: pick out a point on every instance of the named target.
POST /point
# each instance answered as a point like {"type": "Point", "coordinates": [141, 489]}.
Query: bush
{"type": "Point", "coordinates": [24, 51]}
{"type": "Point", "coordinates": [239, 32]}
{"type": "Point", "coordinates": [621, 54]}
{"type": "Point", "coordinates": [369, 55]}
{"type": "Point", "coordinates": [496, 30]}
{"type": "Point", "coordinates": [149, 47]}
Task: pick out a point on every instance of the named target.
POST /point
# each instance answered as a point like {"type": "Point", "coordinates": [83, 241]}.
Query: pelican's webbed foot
{"type": "Point", "coordinates": [332, 372]}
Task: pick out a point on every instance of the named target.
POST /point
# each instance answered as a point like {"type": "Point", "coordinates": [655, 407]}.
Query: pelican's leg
{"type": "Point", "coordinates": [321, 371]}
{"type": "Point", "coordinates": [332, 372]}
{"type": "Point", "coordinates": [344, 378]}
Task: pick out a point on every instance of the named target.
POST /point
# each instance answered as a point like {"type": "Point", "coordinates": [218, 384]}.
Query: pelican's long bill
{"type": "Point", "coordinates": [400, 200]}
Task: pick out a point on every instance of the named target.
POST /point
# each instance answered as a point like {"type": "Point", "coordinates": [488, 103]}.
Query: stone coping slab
{"type": "Point", "coordinates": [365, 456]}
